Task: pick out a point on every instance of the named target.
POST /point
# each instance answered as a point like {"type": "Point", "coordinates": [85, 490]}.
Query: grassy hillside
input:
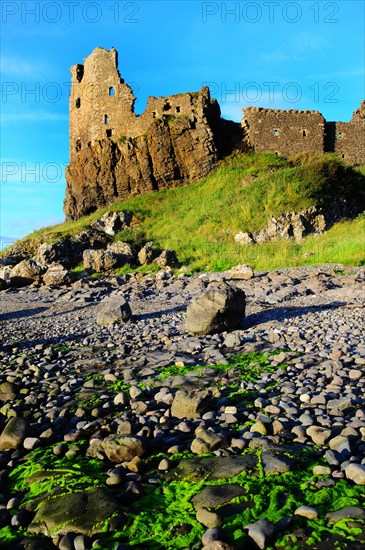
{"type": "Point", "coordinates": [199, 221]}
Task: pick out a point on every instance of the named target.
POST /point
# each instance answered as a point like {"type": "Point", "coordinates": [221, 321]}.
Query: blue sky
{"type": "Point", "coordinates": [288, 55]}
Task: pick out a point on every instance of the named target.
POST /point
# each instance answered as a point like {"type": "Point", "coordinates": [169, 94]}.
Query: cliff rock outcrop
{"type": "Point", "coordinates": [172, 152]}
{"type": "Point", "coordinates": [115, 153]}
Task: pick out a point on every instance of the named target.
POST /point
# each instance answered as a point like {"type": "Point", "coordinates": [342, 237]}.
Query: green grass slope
{"type": "Point", "coordinates": [199, 221]}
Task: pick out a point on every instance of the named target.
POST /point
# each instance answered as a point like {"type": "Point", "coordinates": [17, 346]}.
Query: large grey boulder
{"type": "Point", "coordinates": [221, 307]}
{"type": "Point", "coordinates": [113, 222]}
{"type": "Point", "coordinates": [66, 251]}
{"type": "Point", "coordinates": [56, 275]}
{"type": "Point", "coordinates": [25, 273]}
{"type": "Point", "coordinates": [3, 284]}
{"type": "Point", "coordinates": [148, 254]}
{"type": "Point", "coordinates": [243, 238]}
{"type": "Point", "coordinates": [48, 253]}
{"type": "Point", "coordinates": [124, 251]}
{"type": "Point", "coordinates": [13, 434]}
{"type": "Point", "coordinates": [100, 261]}
{"type": "Point", "coordinates": [118, 448]}
{"type": "Point", "coordinates": [5, 273]}
{"type": "Point", "coordinates": [114, 310]}
{"type": "Point", "coordinates": [103, 261]}
{"type": "Point", "coordinates": [167, 258]}
{"type": "Point", "coordinates": [242, 271]}
{"type": "Point", "coordinates": [192, 404]}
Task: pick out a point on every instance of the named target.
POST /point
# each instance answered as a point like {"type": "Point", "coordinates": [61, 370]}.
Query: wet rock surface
{"type": "Point", "coordinates": [116, 413]}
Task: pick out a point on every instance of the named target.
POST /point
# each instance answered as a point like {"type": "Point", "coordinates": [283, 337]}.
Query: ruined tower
{"type": "Point", "coordinates": [101, 104]}
{"type": "Point", "coordinates": [115, 153]}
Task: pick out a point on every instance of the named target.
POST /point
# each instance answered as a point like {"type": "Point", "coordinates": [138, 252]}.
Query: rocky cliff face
{"type": "Point", "coordinates": [115, 153]}
{"type": "Point", "coordinates": [174, 151]}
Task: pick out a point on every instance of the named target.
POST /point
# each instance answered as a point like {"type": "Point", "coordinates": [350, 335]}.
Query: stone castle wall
{"type": "Point", "coordinates": [284, 132]}
{"type": "Point", "coordinates": [102, 104]}
{"type": "Point", "coordinates": [290, 132]}
{"type": "Point", "coordinates": [115, 153]}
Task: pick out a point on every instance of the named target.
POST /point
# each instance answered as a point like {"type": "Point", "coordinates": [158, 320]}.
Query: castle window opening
{"type": "Point", "coordinates": [178, 109]}
{"type": "Point", "coordinates": [304, 133]}
{"type": "Point", "coordinates": [276, 132]}
{"type": "Point", "coordinates": [154, 114]}
{"type": "Point", "coordinates": [106, 119]}
{"type": "Point", "coordinates": [166, 107]}
{"type": "Point", "coordinates": [78, 145]}
{"type": "Point", "coordinates": [79, 72]}
{"type": "Point", "coordinates": [111, 91]}
{"type": "Point", "coordinates": [78, 103]}
{"type": "Point", "coordinates": [109, 133]}
{"type": "Point", "coordinates": [339, 134]}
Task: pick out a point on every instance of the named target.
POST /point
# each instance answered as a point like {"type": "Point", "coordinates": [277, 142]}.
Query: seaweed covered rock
{"type": "Point", "coordinates": [84, 513]}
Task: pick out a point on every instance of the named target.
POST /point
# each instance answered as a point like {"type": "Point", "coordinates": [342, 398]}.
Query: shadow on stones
{"type": "Point", "coordinates": [35, 311]}
{"type": "Point", "coordinates": [26, 344]}
{"type": "Point", "coordinates": [22, 313]}
{"type": "Point", "coordinates": [282, 313]}
{"type": "Point", "coordinates": [156, 314]}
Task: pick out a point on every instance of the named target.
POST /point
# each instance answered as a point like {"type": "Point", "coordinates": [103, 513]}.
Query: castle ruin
{"type": "Point", "coordinates": [115, 153]}
{"type": "Point", "coordinates": [290, 132]}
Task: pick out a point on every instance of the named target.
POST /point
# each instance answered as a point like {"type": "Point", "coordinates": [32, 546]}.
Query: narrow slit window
{"type": "Point", "coordinates": [78, 103]}
{"type": "Point", "coordinates": [154, 114]}
{"type": "Point", "coordinates": [78, 145]}
{"type": "Point", "coordinates": [339, 135]}
{"type": "Point", "coordinates": [276, 132]}
{"type": "Point", "coordinates": [111, 91]}
{"type": "Point", "coordinates": [304, 132]}
{"type": "Point", "coordinates": [106, 119]}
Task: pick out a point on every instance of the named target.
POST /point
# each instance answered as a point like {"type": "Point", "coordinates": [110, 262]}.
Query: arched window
{"type": "Point", "coordinates": [106, 119]}
{"type": "Point", "coordinates": [111, 91]}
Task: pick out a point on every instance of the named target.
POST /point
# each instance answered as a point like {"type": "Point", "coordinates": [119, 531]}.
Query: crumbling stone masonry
{"type": "Point", "coordinates": [284, 132]}
{"type": "Point", "coordinates": [289, 132]}
{"type": "Point", "coordinates": [115, 153]}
